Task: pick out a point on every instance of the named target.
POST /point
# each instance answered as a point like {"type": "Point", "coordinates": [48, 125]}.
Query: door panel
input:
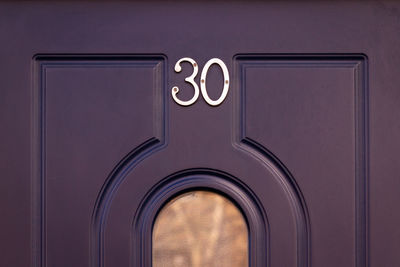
{"type": "Point", "coordinates": [323, 142]}
{"type": "Point", "coordinates": [93, 144]}
{"type": "Point", "coordinates": [83, 128]}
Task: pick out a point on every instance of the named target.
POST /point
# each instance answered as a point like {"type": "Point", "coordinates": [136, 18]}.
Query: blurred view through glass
{"type": "Point", "coordinates": [200, 229]}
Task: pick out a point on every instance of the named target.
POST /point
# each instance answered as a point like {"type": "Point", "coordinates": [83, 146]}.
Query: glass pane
{"type": "Point", "coordinates": [200, 229]}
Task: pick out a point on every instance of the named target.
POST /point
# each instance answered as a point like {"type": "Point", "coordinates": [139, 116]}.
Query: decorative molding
{"type": "Point", "coordinates": [200, 179]}
{"type": "Point", "coordinates": [357, 62]}
{"type": "Point", "coordinates": [158, 141]}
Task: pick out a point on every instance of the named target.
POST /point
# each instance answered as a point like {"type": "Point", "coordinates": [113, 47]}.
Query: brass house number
{"type": "Point", "coordinates": [203, 79]}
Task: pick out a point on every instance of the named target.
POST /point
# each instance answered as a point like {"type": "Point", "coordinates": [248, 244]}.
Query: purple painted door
{"type": "Point", "coordinates": [304, 144]}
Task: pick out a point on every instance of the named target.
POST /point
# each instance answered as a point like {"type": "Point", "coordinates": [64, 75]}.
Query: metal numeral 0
{"type": "Point", "coordinates": [203, 78]}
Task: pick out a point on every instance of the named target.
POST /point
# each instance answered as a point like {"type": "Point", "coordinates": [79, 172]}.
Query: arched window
{"type": "Point", "coordinates": [200, 229]}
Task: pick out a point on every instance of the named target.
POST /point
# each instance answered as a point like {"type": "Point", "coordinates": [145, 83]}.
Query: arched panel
{"type": "Point", "coordinates": [227, 188]}
{"type": "Point", "coordinates": [200, 228]}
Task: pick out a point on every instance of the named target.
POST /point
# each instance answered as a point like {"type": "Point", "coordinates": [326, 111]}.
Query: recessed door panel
{"type": "Point", "coordinates": [81, 106]}
{"type": "Point", "coordinates": [323, 145]}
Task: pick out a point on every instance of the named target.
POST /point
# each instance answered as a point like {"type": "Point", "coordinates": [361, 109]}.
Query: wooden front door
{"type": "Point", "coordinates": [96, 138]}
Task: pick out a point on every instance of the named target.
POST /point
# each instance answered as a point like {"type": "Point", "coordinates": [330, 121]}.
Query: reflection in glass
{"type": "Point", "coordinates": [200, 229]}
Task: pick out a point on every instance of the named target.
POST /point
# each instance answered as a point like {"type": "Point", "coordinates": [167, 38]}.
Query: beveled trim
{"type": "Point", "coordinates": [200, 179]}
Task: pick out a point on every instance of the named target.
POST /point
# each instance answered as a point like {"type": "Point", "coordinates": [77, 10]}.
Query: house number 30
{"type": "Point", "coordinates": [203, 79]}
